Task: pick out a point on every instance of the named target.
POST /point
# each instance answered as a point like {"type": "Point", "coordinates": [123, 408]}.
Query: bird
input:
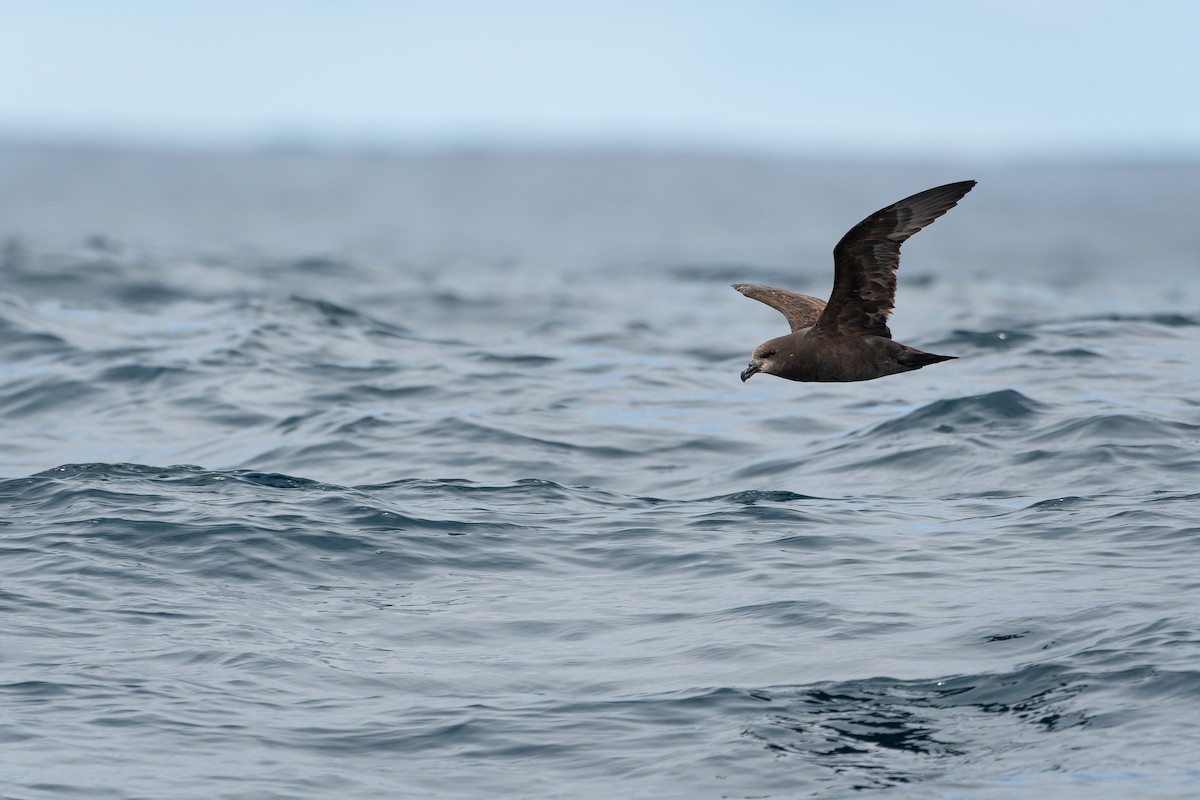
{"type": "Point", "coordinates": [847, 338]}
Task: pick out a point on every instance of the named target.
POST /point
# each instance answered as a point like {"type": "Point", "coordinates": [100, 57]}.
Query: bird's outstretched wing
{"type": "Point", "coordinates": [800, 310]}
{"type": "Point", "coordinates": [866, 259]}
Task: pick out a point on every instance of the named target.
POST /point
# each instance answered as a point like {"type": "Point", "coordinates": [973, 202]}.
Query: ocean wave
{"type": "Point", "coordinates": [483, 509]}
{"type": "Point", "coordinates": [1000, 409]}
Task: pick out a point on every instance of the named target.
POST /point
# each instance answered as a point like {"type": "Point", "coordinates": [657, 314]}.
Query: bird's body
{"type": "Point", "coordinates": [802, 356]}
{"type": "Point", "coordinates": [847, 338]}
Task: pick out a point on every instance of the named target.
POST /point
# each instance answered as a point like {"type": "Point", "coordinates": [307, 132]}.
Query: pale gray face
{"type": "Point", "coordinates": [762, 360]}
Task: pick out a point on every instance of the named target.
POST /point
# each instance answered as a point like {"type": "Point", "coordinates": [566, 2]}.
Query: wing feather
{"type": "Point", "coordinates": [800, 310]}
{"type": "Point", "coordinates": [866, 259]}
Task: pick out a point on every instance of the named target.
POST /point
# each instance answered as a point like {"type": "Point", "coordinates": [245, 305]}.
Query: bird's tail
{"type": "Point", "coordinates": [912, 358]}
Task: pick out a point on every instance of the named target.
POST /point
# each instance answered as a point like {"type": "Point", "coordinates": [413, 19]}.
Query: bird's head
{"type": "Point", "coordinates": [763, 359]}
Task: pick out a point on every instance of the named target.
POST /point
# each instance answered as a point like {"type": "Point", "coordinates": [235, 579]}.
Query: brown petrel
{"type": "Point", "coordinates": [847, 339]}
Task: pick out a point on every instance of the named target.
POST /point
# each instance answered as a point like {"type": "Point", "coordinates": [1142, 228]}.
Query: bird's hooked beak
{"type": "Point", "coordinates": [754, 366]}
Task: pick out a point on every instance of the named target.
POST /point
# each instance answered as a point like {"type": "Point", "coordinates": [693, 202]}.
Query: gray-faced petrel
{"type": "Point", "coordinates": [847, 338]}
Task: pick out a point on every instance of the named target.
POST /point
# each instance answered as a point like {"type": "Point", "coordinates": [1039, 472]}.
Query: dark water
{"type": "Point", "coordinates": [369, 476]}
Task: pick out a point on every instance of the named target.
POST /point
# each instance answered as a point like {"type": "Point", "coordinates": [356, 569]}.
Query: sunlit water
{"type": "Point", "coordinates": [367, 476]}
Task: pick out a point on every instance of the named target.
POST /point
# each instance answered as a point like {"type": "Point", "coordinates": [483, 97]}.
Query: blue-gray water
{"type": "Point", "coordinates": [367, 476]}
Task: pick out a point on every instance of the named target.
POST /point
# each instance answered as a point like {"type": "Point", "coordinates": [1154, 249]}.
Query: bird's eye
{"type": "Point", "coordinates": [768, 354]}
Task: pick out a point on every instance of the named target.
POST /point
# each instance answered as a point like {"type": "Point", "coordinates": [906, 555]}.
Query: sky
{"type": "Point", "coordinates": [918, 79]}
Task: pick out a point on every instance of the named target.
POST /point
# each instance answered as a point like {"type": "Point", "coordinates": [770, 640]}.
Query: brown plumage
{"type": "Point", "coordinates": [847, 338]}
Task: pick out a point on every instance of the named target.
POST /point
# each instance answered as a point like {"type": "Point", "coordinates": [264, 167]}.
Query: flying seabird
{"type": "Point", "coordinates": [847, 339]}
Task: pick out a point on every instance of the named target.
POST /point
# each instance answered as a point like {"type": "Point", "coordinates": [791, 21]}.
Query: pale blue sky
{"type": "Point", "coordinates": [873, 78]}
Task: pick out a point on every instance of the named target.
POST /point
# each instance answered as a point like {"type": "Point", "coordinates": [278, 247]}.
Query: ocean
{"type": "Point", "coordinates": [377, 474]}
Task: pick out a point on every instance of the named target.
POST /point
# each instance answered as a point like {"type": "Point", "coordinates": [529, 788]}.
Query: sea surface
{"type": "Point", "coordinates": [430, 475]}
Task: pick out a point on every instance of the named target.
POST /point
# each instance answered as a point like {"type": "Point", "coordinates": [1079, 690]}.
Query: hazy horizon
{"type": "Point", "coordinates": [871, 81]}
